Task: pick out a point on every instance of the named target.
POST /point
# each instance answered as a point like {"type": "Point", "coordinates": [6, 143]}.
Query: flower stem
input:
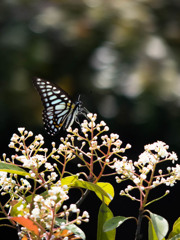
{"type": "Point", "coordinates": [138, 235]}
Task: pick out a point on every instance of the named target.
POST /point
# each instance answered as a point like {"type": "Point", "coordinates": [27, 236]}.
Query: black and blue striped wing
{"type": "Point", "coordinates": [59, 110]}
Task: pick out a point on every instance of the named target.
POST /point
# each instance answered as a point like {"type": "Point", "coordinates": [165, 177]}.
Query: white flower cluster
{"type": "Point", "coordinates": [17, 141]}
{"type": "Point", "coordinates": [43, 205]}
{"type": "Point", "coordinates": [34, 161]}
{"type": "Point", "coordinates": [79, 219]}
{"type": "Point", "coordinates": [40, 209]}
{"type": "Point", "coordinates": [10, 185]}
{"type": "Point", "coordinates": [30, 157]}
{"type": "Point", "coordinates": [141, 172]}
{"type": "Point", "coordinates": [43, 208]}
{"type": "Point", "coordinates": [101, 145]}
{"type": "Point", "coordinates": [7, 184]}
{"type": "Point", "coordinates": [87, 126]}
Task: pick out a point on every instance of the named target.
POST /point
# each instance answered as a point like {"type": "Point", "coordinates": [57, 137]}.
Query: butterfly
{"type": "Point", "coordinates": [59, 110]}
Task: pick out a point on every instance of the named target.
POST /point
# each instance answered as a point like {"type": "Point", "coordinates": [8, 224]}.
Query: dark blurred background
{"type": "Point", "coordinates": [122, 56]}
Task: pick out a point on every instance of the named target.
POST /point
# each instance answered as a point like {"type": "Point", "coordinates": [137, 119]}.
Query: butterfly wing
{"type": "Point", "coordinates": [57, 105]}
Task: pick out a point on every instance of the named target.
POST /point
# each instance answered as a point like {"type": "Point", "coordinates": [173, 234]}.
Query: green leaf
{"type": "Point", "coordinates": [160, 225]}
{"type": "Point", "coordinates": [176, 229]}
{"type": "Point", "coordinates": [104, 215]}
{"type": "Point", "coordinates": [106, 197]}
{"type": "Point", "coordinates": [69, 180]}
{"type": "Point", "coordinates": [176, 237]}
{"type": "Point", "coordinates": [11, 168]}
{"type": "Point", "coordinates": [103, 190]}
{"type": "Point", "coordinates": [114, 223]}
{"type": "Point", "coordinates": [72, 227]}
{"type": "Point", "coordinates": [108, 188]}
{"type": "Point", "coordinates": [95, 188]}
{"type": "Point", "coordinates": [14, 210]}
{"type": "Point", "coordinates": [151, 232]}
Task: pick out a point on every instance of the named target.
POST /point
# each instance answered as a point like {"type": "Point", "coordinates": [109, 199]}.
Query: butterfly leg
{"type": "Point", "coordinates": [77, 120]}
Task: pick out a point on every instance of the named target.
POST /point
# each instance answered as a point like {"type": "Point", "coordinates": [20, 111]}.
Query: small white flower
{"type": "Point", "coordinates": [14, 137]}
{"type": "Point", "coordinates": [102, 123]}
{"type": "Point", "coordinates": [163, 152]}
{"type": "Point", "coordinates": [30, 134]}
{"type": "Point", "coordinates": [21, 129]}
{"type": "Point", "coordinates": [54, 175]}
{"type": "Point", "coordinates": [11, 145]}
{"type": "Point", "coordinates": [90, 115]}
{"type": "Point", "coordinates": [73, 208]}
{"type": "Point", "coordinates": [38, 198]}
{"type": "Point", "coordinates": [33, 175]}
{"type": "Point", "coordinates": [48, 166]}
{"type": "Point", "coordinates": [106, 128]}
{"type": "Point", "coordinates": [136, 180]}
{"type": "Point", "coordinates": [85, 214]}
{"type": "Point", "coordinates": [173, 156]}
{"type": "Point", "coordinates": [78, 222]}
{"type": "Point", "coordinates": [128, 146]}
{"type": "Point", "coordinates": [69, 129]}
{"type": "Point", "coordinates": [143, 176]}
{"type": "Point", "coordinates": [35, 213]}
{"type": "Point", "coordinates": [91, 124]}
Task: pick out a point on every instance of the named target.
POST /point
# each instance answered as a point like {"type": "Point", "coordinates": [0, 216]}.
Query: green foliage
{"type": "Point", "coordinates": [175, 233]}
{"type": "Point", "coordinates": [114, 222]}
{"type": "Point", "coordinates": [104, 191]}
{"type": "Point", "coordinates": [11, 168]}
{"type": "Point", "coordinates": [72, 227]}
{"type": "Point", "coordinates": [151, 232]}
{"type": "Point", "coordinates": [104, 214]}
{"type": "Point", "coordinates": [159, 226]}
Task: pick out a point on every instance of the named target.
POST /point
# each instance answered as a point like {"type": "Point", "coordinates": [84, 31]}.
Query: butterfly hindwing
{"type": "Point", "coordinates": [57, 105]}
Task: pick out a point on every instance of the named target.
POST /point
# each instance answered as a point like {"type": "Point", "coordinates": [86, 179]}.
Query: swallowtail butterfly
{"type": "Point", "coordinates": [59, 110]}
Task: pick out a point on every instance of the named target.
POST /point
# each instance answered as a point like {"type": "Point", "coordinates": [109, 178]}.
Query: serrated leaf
{"type": "Point", "coordinates": [11, 168]}
{"type": "Point", "coordinates": [176, 229]}
{"type": "Point", "coordinates": [160, 225]}
{"type": "Point", "coordinates": [104, 215]}
{"type": "Point", "coordinates": [72, 227]}
{"type": "Point", "coordinates": [114, 223]}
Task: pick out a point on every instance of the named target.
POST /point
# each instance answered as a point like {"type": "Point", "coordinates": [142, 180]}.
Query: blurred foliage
{"type": "Point", "coordinates": [123, 56]}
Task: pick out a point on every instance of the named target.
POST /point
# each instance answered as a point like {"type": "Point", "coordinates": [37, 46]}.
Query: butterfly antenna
{"type": "Point", "coordinates": [79, 97]}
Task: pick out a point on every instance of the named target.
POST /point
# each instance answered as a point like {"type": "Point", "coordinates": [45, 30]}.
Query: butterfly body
{"type": "Point", "coordinates": [59, 110]}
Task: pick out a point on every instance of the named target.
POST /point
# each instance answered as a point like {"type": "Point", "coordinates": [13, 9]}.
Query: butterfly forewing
{"type": "Point", "coordinates": [58, 107]}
